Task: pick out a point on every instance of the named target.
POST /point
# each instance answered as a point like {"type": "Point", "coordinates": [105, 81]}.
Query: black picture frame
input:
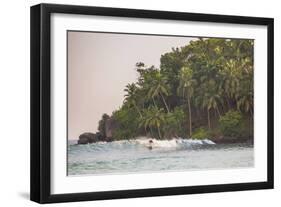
{"type": "Point", "coordinates": [41, 103]}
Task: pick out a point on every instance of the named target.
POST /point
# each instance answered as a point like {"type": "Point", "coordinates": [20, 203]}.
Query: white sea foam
{"type": "Point", "coordinates": [156, 143]}
{"type": "Point", "coordinates": [171, 143]}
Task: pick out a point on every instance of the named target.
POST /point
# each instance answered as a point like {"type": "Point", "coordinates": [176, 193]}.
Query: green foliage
{"type": "Point", "coordinates": [193, 88]}
{"type": "Point", "coordinates": [127, 121]}
{"type": "Point", "coordinates": [173, 123]}
{"type": "Point", "coordinates": [153, 118]}
{"type": "Point", "coordinates": [231, 124]}
{"type": "Point", "coordinates": [132, 97]}
{"type": "Point", "coordinates": [158, 87]}
{"type": "Point", "coordinates": [186, 90]}
{"type": "Point", "coordinates": [201, 133]}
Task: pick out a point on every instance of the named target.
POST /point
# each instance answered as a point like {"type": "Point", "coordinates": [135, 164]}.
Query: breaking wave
{"type": "Point", "coordinates": [153, 143]}
{"type": "Point", "coordinates": [172, 143]}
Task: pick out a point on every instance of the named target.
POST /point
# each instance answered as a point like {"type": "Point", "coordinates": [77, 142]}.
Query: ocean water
{"type": "Point", "coordinates": [140, 155]}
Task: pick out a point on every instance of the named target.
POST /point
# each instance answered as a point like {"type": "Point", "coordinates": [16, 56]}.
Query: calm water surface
{"type": "Point", "coordinates": [174, 155]}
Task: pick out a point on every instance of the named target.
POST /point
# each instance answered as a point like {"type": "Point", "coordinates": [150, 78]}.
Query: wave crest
{"type": "Point", "coordinates": [172, 143]}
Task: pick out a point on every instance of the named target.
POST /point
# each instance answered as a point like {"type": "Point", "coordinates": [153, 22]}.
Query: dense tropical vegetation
{"type": "Point", "coordinates": [204, 89]}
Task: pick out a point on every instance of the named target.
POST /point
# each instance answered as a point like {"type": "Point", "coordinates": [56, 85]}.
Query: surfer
{"type": "Point", "coordinates": [150, 144]}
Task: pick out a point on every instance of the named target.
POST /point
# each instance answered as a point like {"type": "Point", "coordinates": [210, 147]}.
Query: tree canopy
{"type": "Point", "coordinates": [195, 87]}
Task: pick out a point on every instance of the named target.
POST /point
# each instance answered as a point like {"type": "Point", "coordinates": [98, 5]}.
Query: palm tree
{"type": "Point", "coordinates": [158, 87]}
{"type": "Point", "coordinates": [245, 97]}
{"type": "Point", "coordinates": [233, 73]}
{"type": "Point", "coordinates": [236, 66]}
{"type": "Point", "coordinates": [211, 99]}
{"type": "Point", "coordinates": [153, 118]}
{"type": "Point", "coordinates": [186, 90]}
{"type": "Point", "coordinates": [144, 121]}
{"type": "Point", "coordinates": [246, 102]}
{"type": "Point", "coordinates": [131, 96]}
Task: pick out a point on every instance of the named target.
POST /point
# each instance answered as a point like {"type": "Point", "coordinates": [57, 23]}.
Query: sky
{"type": "Point", "coordinates": [100, 65]}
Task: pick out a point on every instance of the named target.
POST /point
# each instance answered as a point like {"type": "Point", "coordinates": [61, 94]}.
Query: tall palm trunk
{"type": "Point", "coordinates": [190, 120]}
{"type": "Point", "coordinates": [209, 121]}
{"type": "Point", "coordinates": [159, 133]}
{"type": "Point", "coordinates": [151, 132]}
{"type": "Point", "coordinates": [167, 108]}
{"type": "Point", "coordinates": [145, 129]}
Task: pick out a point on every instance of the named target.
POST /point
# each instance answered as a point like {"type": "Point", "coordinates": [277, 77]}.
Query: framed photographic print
{"type": "Point", "coordinates": [133, 103]}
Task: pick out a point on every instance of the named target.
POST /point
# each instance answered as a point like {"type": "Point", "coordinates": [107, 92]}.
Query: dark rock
{"type": "Point", "coordinates": [105, 136]}
{"type": "Point", "coordinates": [83, 140]}
{"type": "Point", "coordinates": [108, 139]}
{"type": "Point", "coordinates": [88, 137]}
{"type": "Point", "coordinates": [110, 126]}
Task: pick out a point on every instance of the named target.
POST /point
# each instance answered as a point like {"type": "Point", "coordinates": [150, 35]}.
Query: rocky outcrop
{"type": "Point", "coordinates": [88, 137]}
{"type": "Point", "coordinates": [110, 125]}
{"type": "Point", "coordinates": [106, 128]}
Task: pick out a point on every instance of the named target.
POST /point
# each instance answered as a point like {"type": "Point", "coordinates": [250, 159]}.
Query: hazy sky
{"type": "Point", "coordinates": [100, 65]}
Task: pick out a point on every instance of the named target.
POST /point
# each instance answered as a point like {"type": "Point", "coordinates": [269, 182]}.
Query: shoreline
{"type": "Point", "coordinates": [215, 140]}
